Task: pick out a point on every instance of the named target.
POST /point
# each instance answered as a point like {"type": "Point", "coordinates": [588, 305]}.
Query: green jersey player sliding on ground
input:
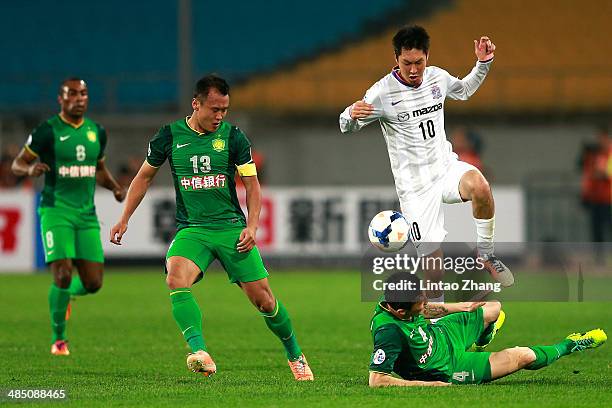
{"type": "Point", "coordinates": [70, 149]}
{"type": "Point", "coordinates": [204, 153]}
{"type": "Point", "coordinates": [439, 354]}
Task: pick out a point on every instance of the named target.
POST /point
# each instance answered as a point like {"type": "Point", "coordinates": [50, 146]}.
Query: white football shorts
{"type": "Point", "coordinates": [424, 211]}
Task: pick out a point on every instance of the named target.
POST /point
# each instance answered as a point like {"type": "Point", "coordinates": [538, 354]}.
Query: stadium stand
{"type": "Point", "coordinates": [547, 62]}
{"type": "Point", "coordinates": [130, 57]}
{"type": "Point", "coordinates": [121, 54]}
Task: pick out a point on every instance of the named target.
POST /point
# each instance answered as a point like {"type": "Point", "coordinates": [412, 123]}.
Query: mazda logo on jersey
{"type": "Point", "coordinates": [403, 116]}
{"type": "Point", "coordinates": [429, 109]}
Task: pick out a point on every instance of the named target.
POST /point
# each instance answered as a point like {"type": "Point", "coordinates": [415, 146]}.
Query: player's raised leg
{"type": "Point", "coordinates": [89, 258]}
{"type": "Point", "coordinates": [182, 273]}
{"type": "Point", "coordinates": [535, 357]}
{"type": "Point", "coordinates": [59, 296]}
{"type": "Point", "coordinates": [89, 280]}
{"type": "Point", "coordinates": [278, 321]}
{"type": "Point", "coordinates": [475, 188]}
{"type": "Point", "coordinates": [494, 319]}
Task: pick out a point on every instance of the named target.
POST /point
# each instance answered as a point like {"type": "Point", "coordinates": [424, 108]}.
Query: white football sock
{"type": "Point", "coordinates": [485, 231]}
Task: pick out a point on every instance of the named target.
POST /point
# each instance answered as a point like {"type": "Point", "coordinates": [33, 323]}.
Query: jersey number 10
{"type": "Point", "coordinates": [431, 131]}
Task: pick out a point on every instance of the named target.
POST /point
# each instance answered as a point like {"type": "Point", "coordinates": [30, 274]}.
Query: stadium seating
{"type": "Point", "coordinates": [128, 53]}
{"type": "Point", "coordinates": [121, 48]}
{"type": "Point", "coordinates": [554, 58]}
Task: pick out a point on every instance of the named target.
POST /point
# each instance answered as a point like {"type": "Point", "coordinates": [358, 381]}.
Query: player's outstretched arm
{"type": "Point", "coordinates": [136, 192]}
{"type": "Point", "coordinates": [386, 380]}
{"type": "Point", "coordinates": [463, 89]}
{"type": "Point", "coordinates": [437, 310]}
{"type": "Point", "coordinates": [106, 180]}
{"type": "Point", "coordinates": [24, 165]}
{"type": "Point", "coordinates": [246, 241]}
{"type": "Point", "coordinates": [484, 49]}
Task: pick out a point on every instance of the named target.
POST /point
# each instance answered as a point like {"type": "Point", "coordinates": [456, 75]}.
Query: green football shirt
{"type": "Point", "coordinates": [413, 349]}
{"type": "Point", "coordinates": [203, 167]}
{"type": "Point", "coordinates": [72, 153]}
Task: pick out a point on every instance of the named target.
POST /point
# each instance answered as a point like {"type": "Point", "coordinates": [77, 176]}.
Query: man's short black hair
{"type": "Point", "coordinates": [65, 81]}
{"type": "Point", "coordinates": [405, 292]}
{"type": "Point", "coordinates": [207, 82]}
{"type": "Point", "coordinates": [410, 37]}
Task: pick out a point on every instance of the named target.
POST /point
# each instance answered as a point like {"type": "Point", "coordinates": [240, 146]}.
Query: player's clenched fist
{"type": "Point", "coordinates": [361, 109]}
{"type": "Point", "coordinates": [484, 48]}
{"type": "Point", "coordinates": [117, 232]}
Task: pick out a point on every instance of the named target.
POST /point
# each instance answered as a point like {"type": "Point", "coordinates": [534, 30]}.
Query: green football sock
{"type": "Point", "coordinates": [58, 303]}
{"type": "Point", "coordinates": [188, 317]}
{"type": "Point", "coordinates": [76, 287]}
{"type": "Point", "coordinates": [279, 323]}
{"type": "Point", "coordinates": [546, 355]}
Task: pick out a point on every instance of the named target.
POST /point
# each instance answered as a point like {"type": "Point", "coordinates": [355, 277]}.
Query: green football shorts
{"type": "Point", "coordinates": [204, 245]}
{"type": "Point", "coordinates": [69, 234]}
{"type": "Point", "coordinates": [462, 330]}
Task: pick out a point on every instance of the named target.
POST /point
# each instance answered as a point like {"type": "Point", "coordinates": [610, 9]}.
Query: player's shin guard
{"type": "Point", "coordinates": [546, 355]}
{"type": "Point", "coordinates": [188, 317]}
{"type": "Point", "coordinates": [58, 302]}
{"type": "Point", "coordinates": [279, 323]}
{"type": "Point", "coordinates": [485, 231]}
{"type": "Point", "coordinates": [76, 287]}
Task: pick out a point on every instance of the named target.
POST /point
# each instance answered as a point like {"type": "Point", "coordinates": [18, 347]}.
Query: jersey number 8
{"type": "Point", "coordinates": [80, 153]}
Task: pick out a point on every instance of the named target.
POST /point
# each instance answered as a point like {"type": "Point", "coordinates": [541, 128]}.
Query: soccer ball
{"type": "Point", "coordinates": [388, 231]}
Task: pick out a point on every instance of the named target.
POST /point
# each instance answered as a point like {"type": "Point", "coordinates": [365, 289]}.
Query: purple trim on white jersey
{"type": "Point", "coordinates": [397, 76]}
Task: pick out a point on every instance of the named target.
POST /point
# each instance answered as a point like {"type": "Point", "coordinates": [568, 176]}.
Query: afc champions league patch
{"type": "Point", "coordinates": [379, 357]}
{"type": "Point", "coordinates": [435, 92]}
{"type": "Point", "coordinates": [218, 145]}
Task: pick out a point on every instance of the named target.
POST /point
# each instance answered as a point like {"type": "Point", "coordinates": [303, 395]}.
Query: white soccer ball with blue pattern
{"type": "Point", "coordinates": [389, 231]}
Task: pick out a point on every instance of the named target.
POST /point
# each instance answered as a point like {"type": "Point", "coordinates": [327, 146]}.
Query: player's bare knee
{"type": "Point", "coordinates": [62, 272]}
{"type": "Point", "coordinates": [265, 303]}
{"type": "Point", "coordinates": [175, 281]}
{"type": "Point", "coordinates": [263, 299]}
{"type": "Point", "coordinates": [62, 281]}
{"type": "Point", "coordinates": [491, 311]}
{"type": "Point", "coordinates": [93, 285]}
{"type": "Point", "coordinates": [481, 191]}
{"type": "Point", "coordinates": [526, 356]}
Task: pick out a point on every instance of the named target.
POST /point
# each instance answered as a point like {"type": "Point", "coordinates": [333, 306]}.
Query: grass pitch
{"type": "Point", "coordinates": [127, 351]}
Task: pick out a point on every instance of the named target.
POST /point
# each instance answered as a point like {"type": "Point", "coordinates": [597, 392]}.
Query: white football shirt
{"type": "Point", "coordinates": [412, 122]}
